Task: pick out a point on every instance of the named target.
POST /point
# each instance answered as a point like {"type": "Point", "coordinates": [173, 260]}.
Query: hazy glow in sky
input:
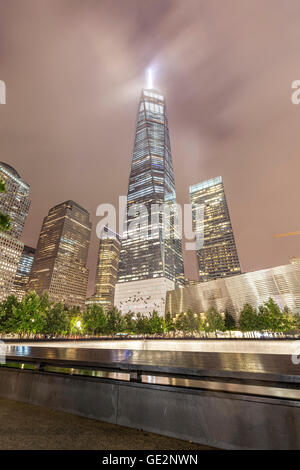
{"type": "Point", "coordinates": [74, 72]}
{"type": "Point", "coordinates": [150, 79]}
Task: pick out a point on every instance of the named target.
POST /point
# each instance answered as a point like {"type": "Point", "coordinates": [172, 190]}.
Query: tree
{"type": "Point", "coordinates": [94, 320]}
{"type": "Point", "coordinates": [201, 323]}
{"type": "Point", "coordinates": [141, 324]}
{"type": "Point", "coordinates": [115, 321]}
{"type": "Point", "coordinates": [57, 321]}
{"type": "Point", "coordinates": [249, 320]}
{"type": "Point", "coordinates": [169, 325]}
{"type": "Point", "coordinates": [4, 219]}
{"type": "Point", "coordinates": [277, 320]}
{"type": "Point", "coordinates": [213, 321]}
{"type": "Point", "coordinates": [192, 321]}
{"type": "Point", "coordinates": [75, 324]}
{"type": "Point", "coordinates": [291, 322]}
{"type": "Point", "coordinates": [129, 322]}
{"type": "Point", "coordinates": [74, 318]}
{"type": "Point", "coordinates": [155, 324]}
{"type": "Point", "coordinates": [29, 316]}
{"type": "Point", "coordinates": [182, 323]}
{"type": "Point", "coordinates": [229, 322]}
{"type": "Point", "coordinates": [7, 312]}
{"type": "Point", "coordinates": [295, 323]}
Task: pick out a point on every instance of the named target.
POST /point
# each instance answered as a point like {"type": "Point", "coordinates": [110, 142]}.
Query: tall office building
{"type": "Point", "coordinates": [107, 269]}
{"type": "Point", "coordinates": [59, 265]}
{"type": "Point", "coordinates": [21, 281]}
{"type": "Point", "coordinates": [218, 257]}
{"type": "Point", "coordinates": [150, 259]}
{"type": "Point", "coordinates": [14, 202]}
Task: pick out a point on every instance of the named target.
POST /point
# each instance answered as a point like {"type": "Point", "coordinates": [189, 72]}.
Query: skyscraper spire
{"type": "Point", "coordinates": [149, 79]}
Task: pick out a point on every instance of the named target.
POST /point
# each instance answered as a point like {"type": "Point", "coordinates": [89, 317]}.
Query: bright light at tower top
{"type": "Point", "coordinates": [150, 79]}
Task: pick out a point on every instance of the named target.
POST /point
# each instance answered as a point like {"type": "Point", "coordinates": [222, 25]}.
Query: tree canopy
{"type": "Point", "coordinates": [38, 315]}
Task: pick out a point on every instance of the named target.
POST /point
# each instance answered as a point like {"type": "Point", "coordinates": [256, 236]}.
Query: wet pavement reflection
{"type": "Point", "coordinates": [262, 366]}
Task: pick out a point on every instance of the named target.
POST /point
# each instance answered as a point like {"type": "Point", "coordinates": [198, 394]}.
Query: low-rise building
{"type": "Point", "coordinates": [282, 283]}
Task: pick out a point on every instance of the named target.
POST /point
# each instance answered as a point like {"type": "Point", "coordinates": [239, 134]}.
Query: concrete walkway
{"type": "Point", "coordinates": [24, 426]}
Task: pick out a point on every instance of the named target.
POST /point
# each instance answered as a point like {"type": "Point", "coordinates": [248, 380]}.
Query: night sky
{"type": "Point", "coordinates": [74, 71]}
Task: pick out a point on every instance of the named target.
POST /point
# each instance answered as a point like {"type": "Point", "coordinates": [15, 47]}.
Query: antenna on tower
{"type": "Point", "coordinates": [149, 79]}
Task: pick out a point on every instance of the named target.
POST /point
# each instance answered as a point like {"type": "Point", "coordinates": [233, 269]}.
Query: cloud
{"type": "Point", "coordinates": [74, 71]}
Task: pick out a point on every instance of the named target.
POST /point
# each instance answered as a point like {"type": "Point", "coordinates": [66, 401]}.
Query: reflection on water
{"type": "Point", "coordinates": [212, 385]}
{"type": "Point", "coordinates": [229, 346]}
{"type": "Point", "coordinates": [101, 374]}
{"type": "Point", "coordinates": [292, 394]}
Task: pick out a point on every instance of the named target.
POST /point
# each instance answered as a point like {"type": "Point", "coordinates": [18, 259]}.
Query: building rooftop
{"type": "Point", "coordinates": [10, 169]}
{"type": "Point", "coordinates": [72, 203]}
{"type": "Point", "coordinates": [206, 184]}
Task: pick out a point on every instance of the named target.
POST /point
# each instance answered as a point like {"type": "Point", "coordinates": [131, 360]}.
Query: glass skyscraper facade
{"type": "Point", "coordinates": [22, 275]}
{"type": "Point", "coordinates": [60, 261]}
{"type": "Point", "coordinates": [15, 202]}
{"type": "Point", "coordinates": [150, 254]}
{"type": "Point", "coordinates": [151, 182]}
{"type": "Point", "coordinates": [107, 269]}
{"type": "Point", "coordinates": [218, 256]}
